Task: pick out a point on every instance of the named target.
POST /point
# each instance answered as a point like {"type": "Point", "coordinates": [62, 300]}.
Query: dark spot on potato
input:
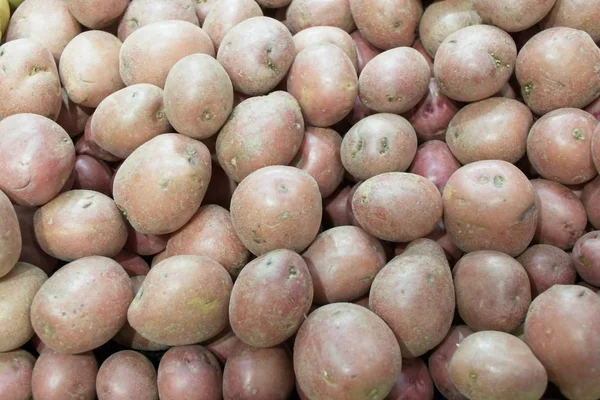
{"type": "Point", "coordinates": [255, 238]}
{"type": "Point", "coordinates": [359, 146]}
{"type": "Point", "coordinates": [499, 181]}
{"type": "Point", "coordinates": [4, 69]}
{"type": "Point", "coordinates": [385, 146]}
{"type": "Point", "coordinates": [585, 261]}
{"type": "Point", "coordinates": [497, 62]}
{"type": "Point", "coordinates": [271, 65]}
{"type": "Point", "coordinates": [283, 188]}
{"type": "Point", "coordinates": [483, 180]}
{"type": "Point", "coordinates": [1, 52]}
{"type": "Point", "coordinates": [206, 115]}
{"type": "Point", "coordinates": [582, 293]}
{"type": "Point", "coordinates": [578, 134]}
{"type": "Point", "coordinates": [164, 183]}
{"type": "Point", "coordinates": [134, 94]}
{"type": "Point", "coordinates": [86, 204]}
{"type": "Point", "coordinates": [292, 272]}
{"type": "Point", "coordinates": [364, 200]}
{"type": "Point", "coordinates": [269, 261]}
{"type": "Point", "coordinates": [133, 22]}
{"type": "Point", "coordinates": [397, 24]}
{"type": "Point", "coordinates": [451, 41]}
{"type": "Point", "coordinates": [527, 89]}
{"type": "Point", "coordinates": [284, 215]}
{"type": "Point", "coordinates": [429, 278]}
{"type": "Point", "coordinates": [160, 114]}
{"type": "Point", "coordinates": [456, 134]}
{"type": "Point", "coordinates": [165, 276]}
{"type": "Point", "coordinates": [64, 314]}
{"type": "Point", "coordinates": [328, 378]}
{"type": "Point", "coordinates": [191, 153]}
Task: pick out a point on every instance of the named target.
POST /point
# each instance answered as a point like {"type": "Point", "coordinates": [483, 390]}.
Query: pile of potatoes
{"type": "Point", "coordinates": [299, 199]}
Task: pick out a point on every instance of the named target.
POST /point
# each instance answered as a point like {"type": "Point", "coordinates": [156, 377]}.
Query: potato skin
{"type": "Point", "coordinates": [91, 173]}
{"type": "Point", "coordinates": [365, 51]}
{"type": "Point", "coordinates": [414, 284]}
{"type": "Point", "coordinates": [61, 308]}
{"type": "Point", "coordinates": [225, 14]}
{"type": "Point", "coordinates": [434, 161]}
{"type": "Point", "coordinates": [512, 16]}
{"type": "Point", "coordinates": [327, 34]}
{"type": "Point", "coordinates": [303, 14]}
{"type": "Point", "coordinates": [293, 215]}
{"type": "Point", "coordinates": [562, 331]}
{"type": "Point", "coordinates": [10, 236]}
{"type": "Point", "coordinates": [222, 345]}
{"type": "Point", "coordinates": [145, 245]}
{"type": "Point", "coordinates": [575, 14]}
{"type": "Point", "coordinates": [586, 257]}
{"type": "Point", "coordinates": [126, 375]}
{"type": "Point", "coordinates": [547, 266]}
{"type": "Point", "coordinates": [15, 374]}
{"type": "Point", "coordinates": [474, 217]}
{"type": "Point", "coordinates": [97, 14]}
{"type": "Point", "coordinates": [414, 381]}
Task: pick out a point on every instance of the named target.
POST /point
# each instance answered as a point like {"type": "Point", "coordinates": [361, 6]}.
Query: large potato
{"type": "Point", "coordinates": [577, 14]}
{"type": "Point", "coordinates": [161, 184]}
{"type": "Point", "coordinates": [15, 374]}
{"type": "Point", "coordinates": [126, 375]}
{"type": "Point", "coordinates": [97, 14]}
{"type": "Point", "coordinates": [512, 15]}
{"type": "Point", "coordinates": [303, 14]}
{"type": "Point", "coordinates": [82, 306]}
{"type": "Point", "coordinates": [414, 295]}
{"type": "Point", "coordinates": [225, 14]}
{"type": "Point", "coordinates": [547, 266]}
{"type": "Point", "coordinates": [10, 236]}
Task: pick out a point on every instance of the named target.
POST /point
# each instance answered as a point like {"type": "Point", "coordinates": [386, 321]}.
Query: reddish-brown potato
{"type": "Point", "coordinates": [59, 376]}
{"type": "Point", "coordinates": [143, 244]}
{"type": "Point", "coordinates": [561, 329]}
{"type": "Point", "coordinates": [575, 14]}
{"type": "Point", "coordinates": [434, 161]}
{"type": "Point", "coordinates": [92, 174]}
{"type": "Point", "coordinates": [302, 14]}
{"type": "Point", "coordinates": [31, 252]}
{"type": "Point", "coordinates": [512, 16]}
{"type": "Point", "coordinates": [547, 266]}
{"type": "Point", "coordinates": [10, 237]}
{"type": "Point", "coordinates": [222, 344]}
{"type": "Point", "coordinates": [335, 208]}
{"type": "Point", "coordinates": [546, 84]}
{"type": "Point", "coordinates": [188, 371]}
{"type": "Point", "coordinates": [97, 14]}
{"type": "Point", "coordinates": [327, 34]}
{"type": "Point", "coordinates": [506, 124]}
{"type": "Point", "coordinates": [277, 207]}
{"type": "Point", "coordinates": [203, 7]}
{"type": "Point", "coordinates": [596, 147]}
{"type": "Point", "coordinates": [490, 205]}
{"type": "Point", "coordinates": [225, 14]}
{"type": "Point", "coordinates": [15, 374]}
{"type": "Point", "coordinates": [397, 206]}
{"type": "Point", "coordinates": [559, 146]}
{"type": "Point", "coordinates": [72, 117]}
{"type": "Point", "coordinates": [590, 197]}
{"type": "Point", "coordinates": [126, 375]}
{"type": "Point", "coordinates": [133, 264]}
{"type": "Point", "coordinates": [86, 145]}
{"type": "Point", "coordinates": [365, 51]}
{"type": "Point", "coordinates": [414, 382]}
{"type": "Point", "coordinates": [453, 254]}
{"type": "Point", "coordinates": [586, 257]}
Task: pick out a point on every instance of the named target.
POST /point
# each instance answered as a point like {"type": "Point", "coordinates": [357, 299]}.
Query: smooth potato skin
{"type": "Point", "coordinates": [440, 358]}
{"type": "Point", "coordinates": [222, 345]}
{"type": "Point", "coordinates": [61, 308]}
{"type": "Point", "coordinates": [97, 14]}
{"type": "Point", "coordinates": [143, 244]}
{"type": "Point", "coordinates": [85, 145]}
{"type": "Point", "coordinates": [586, 257]}
{"type": "Point", "coordinates": [575, 14]}
{"type": "Point", "coordinates": [365, 51]}
{"type": "Point", "coordinates": [64, 376]}
{"type": "Point", "coordinates": [225, 14]}
{"type": "Point", "coordinates": [10, 236]}
{"type": "Point", "coordinates": [327, 34]}
{"type": "Point", "coordinates": [414, 382]}
{"type": "Point", "coordinates": [15, 374]}
{"type": "Point", "coordinates": [547, 266]}
{"type": "Point", "coordinates": [90, 173]}
{"type": "Point", "coordinates": [126, 375]}
{"type": "Point", "coordinates": [512, 16]}
{"type": "Point", "coordinates": [303, 14]}
{"type": "Point", "coordinates": [434, 161]}
{"type": "Point", "coordinates": [133, 264]}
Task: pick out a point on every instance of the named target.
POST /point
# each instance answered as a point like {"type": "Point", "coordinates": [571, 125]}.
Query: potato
{"type": "Point", "coordinates": [490, 205]}
{"type": "Point", "coordinates": [143, 244]}
{"type": "Point", "coordinates": [133, 264]}
{"type": "Point", "coordinates": [546, 84]}
{"type": "Point", "coordinates": [97, 14]}
{"type": "Point", "coordinates": [31, 252]}
{"type": "Point", "coordinates": [562, 331]}
{"type": "Point", "coordinates": [559, 146]}
{"type": "Point", "coordinates": [418, 46]}
{"type": "Point", "coordinates": [27, 137]}
{"type": "Point", "coordinates": [440, 359]}
{"type": "Point", "coordinates": [10, 238]}
{"type": "Point", "coordinates": [442, 19]}
{"type": "Point", "coordinates": [397, 206]}
{"type": "Point", "coordinates": [497, 365]}
{"type": "Point", "coordinates": [345, 351]}
{"type": "Point", "coordinates": [586, 257]}
{"type": "Point", "coordinates": [59, 376]}
{"type": "Point", "coordinates": [126, 375]}
{"type": "Point", "coordinates": [198, 96]}
{"type": "Point", "coordinates": [222, 344]}
{"type": "Point", "coordinates": [72, 117]}
{"type": "Point", "coordinates": [196, 286]}
{"type": "Point", "coordinates": [506, 124]}
{"type": "Point", "coordinates": [422, 271]}
{"type": "Point", "coordinates": [434, 161]}
{"type": "Point", "coordinates": [596, 147]}
{"type": "Point", "coordinates": [161, 184]}
{"type": "Point", "coordinates": [474, 62]}
{"type": "Point", "coordinates": [225, 14]}
{"type": "Point", "coordinates": [439, 235]}
{"type": "Point", "coordinates": [185, 372]}
{"type": "Point", "coordinates": [394, 81]}
{"type": "Point", "coordinates": [327, 34]}
{"type": "Point", "coordinates": [335, 208]}
{"type": "Point", "coordinates": [276, 207]}
{"type": "Point", "coordinates": [203, 7]}
{"type": "Point", "coordinates": [547, 266]}
{"type": "Point", "coordinates": [512, 15]}
{"type": "Point", "coordinates": [378, 144]}
{"type": "Point", "coordinates": [414, 382]}
{"type": "Point", "coordinates": [303, 14]}
{"type": "Point", "coordinates": [319, 155]}
{"type": "Point", "coordinates": [150, 52]}
{"type": "Point", "coordinates": [61, 309]}
{"type": "Point", "coordinates": [261, 131]}
{"type": "Point", "coordinates": [92, 174]}
{"type": "Point", "coordinates": [343, 262]}
{"type": "Point", "coordinates": [590, 197]}
{"type": "Point", "coordinates": [210, 233]}
{"type": "Point", "coordinates": [387, 23]}
{"type": "Point", "coordinates": [140, 13]}
{"type": "Point", "coordinates": [85, 145]}
{"type": "Point", "coordinates": [324, 81]}
{"type": "Point", "coordinates": [574, 14]}
{"type": "Point", "coordinates": [365, 51]}
{"type": "Point", "coordinates": [258, 373]}
{"type": "Point", "coordinates": [15, 375]}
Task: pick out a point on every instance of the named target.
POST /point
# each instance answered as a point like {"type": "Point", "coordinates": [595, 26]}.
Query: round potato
{"type": "Point", "coordinates": [434, 161]}
{"type": "Point", "coordinates": [222, 345]}
{"type": "Point", "coordinates": [15, 374]}
{"type": "Point", "coordinates": [303, 14]}
{"type": "Point", "coordinates": [126, 375]}
{"type": "Point", "coordinates": [335, 208]}
{"type": "Point", "coordinates": [85, 145]}
{"type": "Point", "coordinates": [59, 376]}
{"type": "Point", "coordinates": [327, 34]}
{"type": "Point", "coordinates": [512, 15]}
{"type": "Point", "coordinates": [10, 239]}
{"type": "Point", "coordinates": [547, 266]}
{"type": "Point", "coordinates": [225, 14]}
{"type": "Point", "coordinates": [414, 381]}
{"type": "Point", "coordinates": [365, 51]}
{"type": "Point", "coordinates": [143, 244]}
{"type": "Point", "coordinates": [133, 264]}
{"type": "Point", "coordinates": [97, 14]}
{"type": "Point", "coordinates": [574, 14]}
{"type": "Point", "coordinates": [590, 197]}
{"type": "Point", "coordinates": [90, 173]}
{"type": "Point", "coordinates": [586, 257]}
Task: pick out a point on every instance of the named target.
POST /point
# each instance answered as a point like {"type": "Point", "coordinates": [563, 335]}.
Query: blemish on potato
{"type": "Point", "coordinates": [284, 215]}
{"type": "Point", "coordinates": [373, 393]}
{"type": "Point", "coordinates": [581, 294]}
{"type": "Point", "coordinates": [385, 146]}
{"type": "Point", "coordinates": [364, 200]}
{"type": "Point", "coordinates": [328, 378]}
{"type": "Point", "coordinates": [584, 261]}
{"type": "Point", "coordinates": [271, 65]}
{"type": "Point", "coordinates": [527, 89]}
{"type": "Point", "coordinates": [160, 114]}
{"type": "Point", "coordinates": [1, 52]}
{"type": "Point", "coordinates": [133, 22]}
{"type": "Point", "coordinates": [359, 146]}
{"type": "Point", "coordinates": [578, 134]}
{"type": "Point", "coordinates": [499, 181]}
{"type": "Point", "coordinates": [86, 204]}
{"type": "Point", "coordinates": [397, 24]}
{"type": "Point", "coordinates": [483, 180]}
{"type": "Point", "coordinates": [292, 272]}
{"type": "Point", "coordinates": [473, 375]}
{"type": "Point", "coordinates": [283, 188]}
{"type": "Point", "coordinates": [164, 183]}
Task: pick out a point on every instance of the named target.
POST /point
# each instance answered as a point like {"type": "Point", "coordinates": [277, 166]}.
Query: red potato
{"type": "Point", "coordinates": [594, 108]}
{"type": "Point", "coordinates": [225, 14]}
{"type": "Point", "coordinates": [92, 174]}
{"type": "Point", "coordinates": [10, 237]}
{"type": "Point", "coordinates": [512, 16]}
{"type": "Point", "coordinates": [558, 146]}
{"type": "Point", "coordinates": [324, 81]}
{"type": "Point", "coordinates": [222, 344]}
{"type": "Point", "coordinates": [15, 375]}
{"type": "Point", "coordinates": [221, 187]}
{"type": "Point", "coordinates": [387, 23]}
{"type": "Point", "coordinates": [126, 375]}
{"type": "Point", "coordinates": [202, 9]}
{"type": "Point", "coordinates": [596, 147]}
{"type": "Point", "coordinates": [590, 198]}
{"type": "Point", "coordinates": [72, 117]}
{"type": "Point", "coordinates": [37, 158]}
{"type": "Point", "coordinates": [59, 376]}
{"type": "Point", "coordinates": [97, 14]}
{"type": "Point", "coordinates": [546, 84]}
{"type": "Point", "coordinates": [394, 81]}
{"type": "Point", "coordinates": [453, 254]}
{"type": "Point", "coordinates": [303, 14]}
{"type": "Point", "coordinates": [335, 208]}
{"type": "Point", "coordinates": [143, 244]}
{"type": "Point", "coordinates": [327, 34]}
{"type": "Point", "coordinates": [475, 217]}
{"type": "Point", "coordinates": [414, 382]}
{"type": "Point", "coordinates": [575, 14]}
{"type": "Point", "coordinates": [133, 264]}
{"type": "Point", "coordinates": [562, 331]}
{"type": "Point", "coordinates": [31, 252]}
{"type": "Point", "coordinates": [149, 53]}
{"type": "Point", "coordinates": [586, 257]}
{"type": "Point", "coordinates": [85, 145]}
{"type": "Point", "coordinates": [365, 51]}
{"type": "Point", "coordinates": [189, 372]}
{"type": "Point", "coordinates": [434, 161]}
{"type": "Point", "coordinates": [547, 266]}
{"type": "Point", "coordinates": [358, 112]}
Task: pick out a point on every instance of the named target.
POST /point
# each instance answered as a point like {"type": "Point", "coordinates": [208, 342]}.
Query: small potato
{"type": "Point", "coordinates": [303, 14]}
{"type": "Point", "coordinates": [129, 118]}
{"type": "Point", "coordinates": [72, 117]}
{"type": "Point", "coordinates": [414, 382]}
{"type": "Point", "coordinates": [492, 291]}
{"type": "Point", "coordinates": [31, 252]}
{"type": "Point", "coordinates": [365, 51]}
{"type": "Point", "coordinates": [258, 373]}
{"type": "Point", "coordinates": [324, 81]}
{"type": "Point", "coordinates": [394, 81]}
{"type": "Point", "coordinates": [161, 184]}
{"type": "Point", "coordinates": [261, 131]}
{"type": "Point", "coordinates": [343, 262]}
{"type": "Point", "coordinates": [64, 376]}
{"type": "Point", "coordinates": [85, 145]}
{"type": "Point", "coordinates": [92, 174]}
{"type": "Point", "coordinates": [149, 53]}
{"type": "Point", "coordinates": [222, 345]}
{"type": "Point", "coordinates": [319, 155]}
{"type": "Point", "coordinates": [506, 124]}
{"type": "Point", "coordinates": [277, 207]}
{"type": "Point", "coordinates": [591, 201]}
{"type": "Point", "coordinates": [330, 349]}
{"type": "Point", "coordinates": [185, 371]}
{"type": "Point", "coordinates": [30, 80]}
{"type": "Point", "coordinates": [48, 22]}
{"type": "Point", "coordinates": [242, 54]}
{"type": "Point", "coordinates": [133, 264]}
{"type": "Point", "coordinates": [196, 286]}
{"type": "Point", "coordinates": [378, 144]}
{"type": "Point", "coordinates": [559, 146]}
{"type": "Point", "coordinates": [586, 257]}
{"type": "Point", "coordinates": [143, 244]}
{"type": "Point", "coordinates": [434, 161]}
{"type": "Point", "coordinates": [397, 206]}
{"type": "Point", "coordinates": [225, 14]}
{"type": "Point", "coordinates": [547, 266]}
{"type": "Point", "coordinates": [198, 96]}
{"type": "Point", "coordinates": [387, 23]}
{"type": "Point", "coordinates": [490, 205]}
{"type": "Point", "coordinates": [561, 329]}
{"type": "Point", "coordinates": [412, 285]}
{"type": "Point", "coordinates": [15, 375]}
{"type": "Point", "coordinates": [126, 375]}
{"type": "Point", "coordinates": [512, 15]}
{"type": "Point", "coordinates": [439, 235]}
{"type": "Point", "coordinates": [10, 236]}
{"type": "Point", "coordinates": [546, 84]}
{"type": "Point", "coordinates": [575, 14]}
{"type": "Point", "coordinates": [37, 158]}
{"type": "Point", "coordinates": [474, 62]}
{"type": "Point", "coordinates": [97, 14]}
{"type": "Point", "coordinates": [496, 365]}
{"type": "Point", "coordinates": [140, 13]}
{"type": "Point", "coordinates": [210, 233]}
{"type": "Point", "coordinates": [443, 18]}
{"type": "Point", "coordinates": [327, 34]}
{"type": "Point", "coordinates": [335, 208]}
{"type": "Point", "coordinates": [203, 7]}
